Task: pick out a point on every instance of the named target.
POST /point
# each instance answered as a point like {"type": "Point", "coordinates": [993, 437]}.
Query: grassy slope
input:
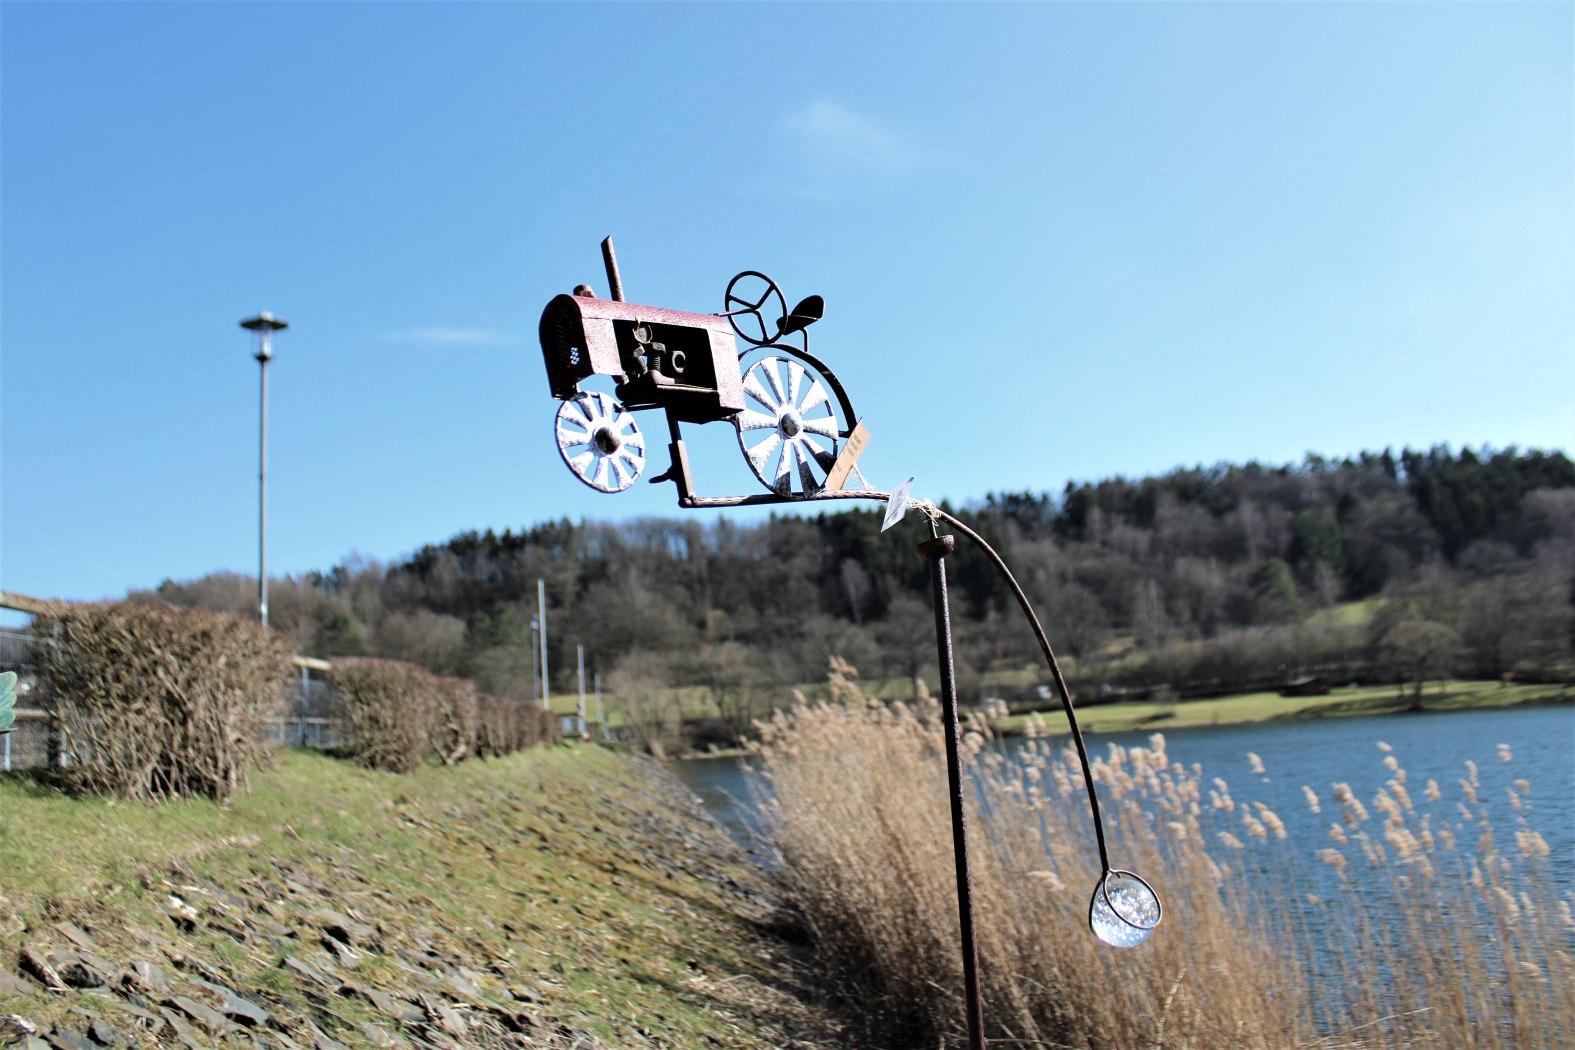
{"type": "Point", "coordinates": [572, 888]}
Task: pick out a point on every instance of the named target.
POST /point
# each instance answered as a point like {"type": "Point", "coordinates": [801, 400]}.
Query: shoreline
{"type": "Point", "coordinates": [1248, 708]}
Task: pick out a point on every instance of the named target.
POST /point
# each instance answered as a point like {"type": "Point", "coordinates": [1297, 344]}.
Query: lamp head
{"type": "Point", "coordinates": [263, 326]}
{"type": "Point", "coordinates": [265, 322]}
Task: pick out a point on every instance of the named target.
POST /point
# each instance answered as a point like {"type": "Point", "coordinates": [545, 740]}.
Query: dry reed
{"type": "Point", "coordinates": [1429, 943]}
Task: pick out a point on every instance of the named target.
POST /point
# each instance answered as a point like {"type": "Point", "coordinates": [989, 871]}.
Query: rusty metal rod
{"type": "Point", "coordinates": [614, 282]}
{"type": "Point", "coordinates": [935, 551]}
{"type": "Point", "coordinates": [764, 499]}
{"type": "Point", "coordinates": [1017, 591]}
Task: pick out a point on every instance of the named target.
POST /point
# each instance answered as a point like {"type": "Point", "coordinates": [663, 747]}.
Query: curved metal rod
{"type": "Point", "coordinates": [1022, 600]}
{"type": "Point", "coordinates": [1055, 674]}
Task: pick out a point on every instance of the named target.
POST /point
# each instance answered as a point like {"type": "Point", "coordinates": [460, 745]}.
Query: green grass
{"type": "Point", "coordinates": [694, 701]}
{"type": "Point", "coordinates": [1265, 707]}
{"type": "Point", "coordinates": [569, 873]}
{"type": "Point", "coordinates": [1346, 614]}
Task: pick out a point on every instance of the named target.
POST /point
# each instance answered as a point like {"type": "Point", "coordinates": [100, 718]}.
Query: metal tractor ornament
{"type": "Point", "coordinates": [800, 437]}
{"type": "Point", "coordinates": [794, 420]}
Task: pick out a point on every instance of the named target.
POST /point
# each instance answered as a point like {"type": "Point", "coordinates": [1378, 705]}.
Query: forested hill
{"type": "Point", "coordinates": [1479, 543]}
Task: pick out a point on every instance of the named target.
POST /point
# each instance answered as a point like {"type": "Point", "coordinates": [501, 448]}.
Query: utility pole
{"type": "Point", "coordinates": [580, 650]}
{"type": "Point", "coordinates": [262, 328]}
{"type": "Point", "coordinates": [541, 605]}
{"type": "Point", "coordinates": [535, 626]}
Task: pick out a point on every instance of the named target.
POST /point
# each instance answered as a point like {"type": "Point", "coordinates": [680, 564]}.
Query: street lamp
{"type": "Point", "coordinates": [262, 328]}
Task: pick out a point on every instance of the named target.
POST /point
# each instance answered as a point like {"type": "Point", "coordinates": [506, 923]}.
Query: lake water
{"type": "Point", "coordinates": [1319, 753]}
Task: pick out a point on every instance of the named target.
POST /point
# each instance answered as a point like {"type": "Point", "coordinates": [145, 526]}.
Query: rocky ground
{"type": "Point", "coordinates": [565, 900]}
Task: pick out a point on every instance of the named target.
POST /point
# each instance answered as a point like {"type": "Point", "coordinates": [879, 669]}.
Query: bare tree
{"type": "Point", "coordinates": [1325, 584]}
{"type": "Point", "coordinates": [434, 641]}
{"type": "Point", "coordinates": [733, 676]}
{"type": "Point", "coordinates": [1485, 628]}
{"type": "Point", "coordinates": [503, 670]}
{"type": "Point", "coordinates": [640, 688]}
{"type": "Point", "coordinates": [1077, 621]}
{"type": "Point", "coordinates": [856, 586]}
{"type": "Point", "coordinates": [1150, 623]}
{"type": "Point", "coordinates": [1421, 649]}
{"type": "Point", "coordinates": [906, 637]}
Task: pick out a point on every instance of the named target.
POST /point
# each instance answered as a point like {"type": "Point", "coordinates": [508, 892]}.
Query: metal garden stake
{"type": "Point", "coordinates": [801, 440]}
{"type": "Point", "coordinates": [934, 551]}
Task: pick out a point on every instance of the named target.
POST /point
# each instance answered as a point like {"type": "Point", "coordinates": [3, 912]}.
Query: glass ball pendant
{"type": "Point", "coordinates": [1123, 910]}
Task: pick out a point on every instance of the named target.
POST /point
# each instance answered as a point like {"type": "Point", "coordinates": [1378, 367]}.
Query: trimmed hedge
{"type": "Point", "coordinates": [455, 719]}
{"type": "Point", "coordinates": [153, 702]}
{"type": "Point", "coordinates": [385, 706]}
{"type": "Point", "coordinates": [504, 726]}
{"type": "Point", "coordinates": [396, 714]}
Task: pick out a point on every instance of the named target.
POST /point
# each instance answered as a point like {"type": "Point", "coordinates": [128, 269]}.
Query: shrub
{"type": "Point", "coordinates": [504, 726]}
{"type": "Point", "coordinates": [454, 718]}
{"type": "Point", "coordinates": [154, 702]}
{"type": "Point", "coordinates": [548, 728]}
{"type": "Point", "coordinates": [395, 714]}
{"type": "Point", "coordinates": [387, 711]}
{"type": "Point", "coordinates": [492, 726]}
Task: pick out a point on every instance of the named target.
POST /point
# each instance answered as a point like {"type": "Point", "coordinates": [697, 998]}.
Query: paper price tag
{"type": "Point", "coordinates": [897, 505]}
{"type": "Point", "coordinates": [848, 458]}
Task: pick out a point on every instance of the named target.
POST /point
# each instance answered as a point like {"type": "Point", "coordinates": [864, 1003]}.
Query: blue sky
{"type": "Point", "coordinates": [1056, 241]}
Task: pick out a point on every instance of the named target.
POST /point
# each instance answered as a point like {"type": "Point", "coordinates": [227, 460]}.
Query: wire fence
{"type": "Point", "coordinates": [314, 715]}
{"type": "Point", "coordinates": [16, 649]}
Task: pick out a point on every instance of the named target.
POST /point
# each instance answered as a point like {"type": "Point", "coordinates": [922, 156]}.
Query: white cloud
{"type": "Point", "coordinates": [827, 147]}
{"type": "Point", "coordinates": [447, 336]}
{"type": "Point", "coordinates": [828, 131]}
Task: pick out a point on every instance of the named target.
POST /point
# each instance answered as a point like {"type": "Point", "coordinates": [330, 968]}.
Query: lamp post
{"type": "Point", "coordinates": [262, 328]}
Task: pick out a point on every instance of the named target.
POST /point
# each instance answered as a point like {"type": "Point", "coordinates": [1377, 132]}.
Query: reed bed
{"type": "Point", "coordinates": [1438, 924]}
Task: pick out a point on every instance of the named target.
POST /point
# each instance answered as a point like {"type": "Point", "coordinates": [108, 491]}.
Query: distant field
{"type": "Point", "coordinates": [695, 702]}
{"type": "Point", "coordinates": [1146, 714]}
{"type": "Point", "coordinates": [1264, 707]}
{"type": "Point", "coordinates": [1346, 614]}
{"type": "Point", "coordinates": [696, 705]}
